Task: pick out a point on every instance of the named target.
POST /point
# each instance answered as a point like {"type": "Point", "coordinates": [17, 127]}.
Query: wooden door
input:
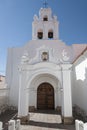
{"type": "Point", "coordinates": [45, 96]}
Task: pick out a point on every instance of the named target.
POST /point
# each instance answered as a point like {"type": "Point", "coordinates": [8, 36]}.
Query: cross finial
{"type": "Point", "coordinates": [45, 4]}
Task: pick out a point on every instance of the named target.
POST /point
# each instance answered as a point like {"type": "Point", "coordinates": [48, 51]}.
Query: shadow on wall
{"type": "Point", "coordinates": [79, 93]}
{"type": "Point", "coordinates": [81, 71]}
{"type": "Point", "coordinates": [79, 113]}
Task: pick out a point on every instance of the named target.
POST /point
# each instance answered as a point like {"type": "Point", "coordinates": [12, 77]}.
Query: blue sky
{"type": "Point", "coordinates": [16, 18]}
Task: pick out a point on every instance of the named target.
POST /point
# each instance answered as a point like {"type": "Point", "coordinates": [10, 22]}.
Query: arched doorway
{"type": "Point", "coordinates": [45, 96]}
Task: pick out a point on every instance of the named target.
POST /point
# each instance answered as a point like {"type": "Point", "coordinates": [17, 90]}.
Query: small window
{"type": "Point", "coordinates": [45, 19]}
{"type": "Point", "coordinates": [45, 56]}
{"type": "Point", "coordinates": [40, 35]}
{"type": "Point", "coordinates": [50, 35]}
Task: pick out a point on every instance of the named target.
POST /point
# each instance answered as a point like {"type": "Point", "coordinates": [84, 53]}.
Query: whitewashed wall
{"type": "Point", "coordinates": [14, 59]}
{"type": "Point", "coordinates": [3, 99]}
{"type": "Point", "coordinates": [79, 82]}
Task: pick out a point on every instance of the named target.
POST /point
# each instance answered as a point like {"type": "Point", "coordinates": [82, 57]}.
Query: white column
{"type": "Point", "coordinates": [85, 126]}
{"type": "Point", "coordinates": [66, 93]}
{"type": "Point", "coordinates": [77, 124]}
{"type": "Point", "coordinates": [1, 125]}
{"type": "Point", "coordinates": [11, 125]}
{"type": "Point", "coordinates": [18, 124]}
{"type": "Point", "coordinates": [81, 125]}
{"type": "Point", "coordinates": [23, 95]}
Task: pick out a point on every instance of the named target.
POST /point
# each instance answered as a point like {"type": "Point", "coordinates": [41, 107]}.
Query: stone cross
{"type": "Point", "coordinates": [45, 4]}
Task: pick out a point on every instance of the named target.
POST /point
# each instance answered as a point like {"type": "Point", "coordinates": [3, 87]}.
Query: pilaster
{"type": "Point", "coordinates": [23, 98]}
{"type": "Point", "coordinates": [66, 94]}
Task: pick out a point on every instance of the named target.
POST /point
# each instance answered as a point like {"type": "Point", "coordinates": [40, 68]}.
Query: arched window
{"type": "Point", "coordinates": [40, 34]}
{"type": "Point", "coordinates": [45, 18]}
{"type": "Point", "coordinates": [50, 34]}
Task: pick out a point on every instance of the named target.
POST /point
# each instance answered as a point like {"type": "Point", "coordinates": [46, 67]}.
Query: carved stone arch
{"type": "Point", "coordinates": [41, 78]}
{"type": "Point", "coordinates": [50, 34]}
{"type": "Point", "coordinates": [40, 34]}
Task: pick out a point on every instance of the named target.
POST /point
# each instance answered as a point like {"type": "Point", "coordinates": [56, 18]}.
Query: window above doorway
{"type": "Point", "coordinates": [45, 56]}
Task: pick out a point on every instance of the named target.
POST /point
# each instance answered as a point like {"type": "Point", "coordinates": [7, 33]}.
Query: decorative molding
{"type": "Point", "coordinates": [66, 67]}
{"type": "Point", "coordinates": [50, 58]}
{"type": "Point", "coordinates": [39, 52]}
{"type": "Point", "coordinates": [25, 58]}
{"type": "Point", "coordinates": [65, 56]}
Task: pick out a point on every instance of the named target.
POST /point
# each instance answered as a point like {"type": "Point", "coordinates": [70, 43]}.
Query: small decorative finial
{"type": "Point", "coordinates": [45, 4]}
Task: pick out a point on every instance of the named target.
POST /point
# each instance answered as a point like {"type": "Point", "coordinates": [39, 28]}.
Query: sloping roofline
{"type": "Point", "coordinates": [80, 55]}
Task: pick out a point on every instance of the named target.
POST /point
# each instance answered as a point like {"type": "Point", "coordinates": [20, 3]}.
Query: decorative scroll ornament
{"type": "Point", "coordinates": [25, 58]}
{"type": "Point", "coordinates": [35, 18]}
{"type": "Point", "coordinates": [44, 54]}
{"type": "Point", "coordinates": [65, 56]}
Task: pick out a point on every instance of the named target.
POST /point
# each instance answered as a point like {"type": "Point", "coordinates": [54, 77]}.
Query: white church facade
{"type": "Point", "coordinates": [38, 74]}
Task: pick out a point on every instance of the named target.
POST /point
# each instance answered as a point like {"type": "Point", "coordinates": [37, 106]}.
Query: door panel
{"type": "Point", "coordinates": [45, 96]}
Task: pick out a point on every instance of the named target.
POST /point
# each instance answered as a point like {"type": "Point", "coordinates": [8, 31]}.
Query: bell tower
{"type": "Point", "coordinates": [45, 27]}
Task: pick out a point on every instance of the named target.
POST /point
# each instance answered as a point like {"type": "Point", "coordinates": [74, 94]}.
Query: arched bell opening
{"type": "Point", "coordinates": [40, 34]}
{"type": "Point", "coordinates": [50, 34]}
{"type": "Point", "coordinates": [45, 18]}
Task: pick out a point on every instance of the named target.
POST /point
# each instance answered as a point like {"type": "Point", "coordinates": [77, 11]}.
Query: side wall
{"type": "Point", "coordinates": [14, 59]}
{"type": "Point", "coordinates": [79, 82]}
{"type": "Point", "coordinates": [12, 74]}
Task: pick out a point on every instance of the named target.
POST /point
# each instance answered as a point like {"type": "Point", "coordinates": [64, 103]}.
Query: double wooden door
{"type": "Point", "coordinates": [45, 96]}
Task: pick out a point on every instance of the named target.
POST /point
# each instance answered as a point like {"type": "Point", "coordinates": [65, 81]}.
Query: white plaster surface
{"type": "Point", "coordinates": [79, 87]}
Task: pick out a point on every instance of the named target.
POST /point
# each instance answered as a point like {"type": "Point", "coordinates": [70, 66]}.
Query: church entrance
{"type": "Point", "coordinates": [45, 96]}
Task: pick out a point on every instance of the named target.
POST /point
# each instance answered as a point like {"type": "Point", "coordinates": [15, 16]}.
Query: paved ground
{"type": "Point", "coordinates": [48, 120]}
{"type": "Point", "coordinates": [40, 120]}
{"type": "Point", "coordinates": [6, 116]}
